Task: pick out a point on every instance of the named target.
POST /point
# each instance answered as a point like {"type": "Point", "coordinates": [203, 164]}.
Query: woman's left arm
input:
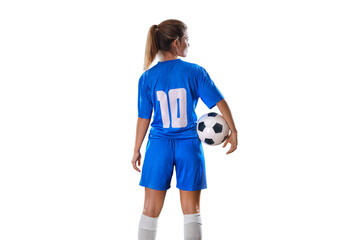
{"type": "Point", "coordinates": [232, 139]}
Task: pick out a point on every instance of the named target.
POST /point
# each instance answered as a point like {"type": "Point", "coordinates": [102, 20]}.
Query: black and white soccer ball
{"type": "Point", "coordinates": [212, 129]}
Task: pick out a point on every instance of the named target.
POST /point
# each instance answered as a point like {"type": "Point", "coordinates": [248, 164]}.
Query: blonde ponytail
{"type": "Point", "coordinates": [151, 48]}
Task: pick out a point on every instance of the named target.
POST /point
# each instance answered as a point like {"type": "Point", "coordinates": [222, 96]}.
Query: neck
{"type": "Point", "coordinates": [167, 56]}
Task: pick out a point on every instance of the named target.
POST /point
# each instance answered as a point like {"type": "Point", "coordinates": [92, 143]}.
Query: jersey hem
{"type": "Point", "coordinates": [166, 138]}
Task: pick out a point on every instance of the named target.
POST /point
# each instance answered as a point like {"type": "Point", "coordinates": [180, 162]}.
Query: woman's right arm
{"type": "Point", "coordinates": [141, 129]}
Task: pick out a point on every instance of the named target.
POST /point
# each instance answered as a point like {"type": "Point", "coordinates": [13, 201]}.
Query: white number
{"type": "Point", "coordinates": [177, 99]}
{"type": "Point", "coordinates": [161, 96]}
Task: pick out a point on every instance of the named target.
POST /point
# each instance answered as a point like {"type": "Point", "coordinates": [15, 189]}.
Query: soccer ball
{"type": "Point", "coordinates": [212, 129]}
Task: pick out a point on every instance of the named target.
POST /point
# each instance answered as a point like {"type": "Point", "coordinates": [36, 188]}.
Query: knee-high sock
{"type": "Point", "coordinates": [192, 227]}
{"type": "Point", "coordinates": [147, 228]}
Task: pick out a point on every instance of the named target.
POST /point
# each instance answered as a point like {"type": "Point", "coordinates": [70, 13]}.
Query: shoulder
{"type": "Point", "coordinates": [143, 80]}
{"type": "Point", "coordinates": [191, 65]}
{"type": "Point", "coordinates": [199, 71]}
{"type": "Point", "coordinates": [194, 68]}
{"type": "Point", "coordinates": [144, 76]}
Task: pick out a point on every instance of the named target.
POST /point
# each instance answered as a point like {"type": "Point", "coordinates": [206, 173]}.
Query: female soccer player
{"type": "Point", "coordinates": [170, 90]}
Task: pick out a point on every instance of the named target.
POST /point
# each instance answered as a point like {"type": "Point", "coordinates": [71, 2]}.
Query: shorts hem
{"type": "Point", "coordinates": [191, 188]}
{"type": "Point", "coordinates": [155, 187]}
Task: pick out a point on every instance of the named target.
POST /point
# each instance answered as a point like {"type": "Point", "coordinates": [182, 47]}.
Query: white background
{"type": "Point", "coordinates": [68, 104]}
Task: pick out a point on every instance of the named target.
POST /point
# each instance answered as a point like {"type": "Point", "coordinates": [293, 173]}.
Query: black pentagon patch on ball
{"type": "Point", "coordinates": [213, 114]}
{"type": "Point", "coordinates": [224, 138]}
{"type": "Point", "coordinates": [201, 126]}
{"type": "Point", "coordinates": [209, 141]}
{"type": "Point", "coordinates": [217, 128]}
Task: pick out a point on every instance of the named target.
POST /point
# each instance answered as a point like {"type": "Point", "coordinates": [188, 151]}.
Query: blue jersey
{"type": "Point", "coordinates": [171, 90]}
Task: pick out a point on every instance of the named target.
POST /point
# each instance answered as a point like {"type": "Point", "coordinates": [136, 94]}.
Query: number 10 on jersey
{"type": "Point", "coordinates": [177, 103]}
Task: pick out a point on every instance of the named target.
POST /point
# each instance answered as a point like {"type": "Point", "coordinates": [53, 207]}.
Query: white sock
{"type": "Point", "coordinates": [147, 228]}
{"type": "Point", "coordinates": [192, 227]}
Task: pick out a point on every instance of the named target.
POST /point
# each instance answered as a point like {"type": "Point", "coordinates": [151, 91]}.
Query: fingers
{"type": "Point", "coordinates": [226, 142]}
{"type": "Point", "coordinates": [232, 149]}
{"type": "Point", "coordinates": [138, 160]}
{"type": "Point", "coordinates": [135, 167]}
{"type": "Point", "coordinates": [233, 142]}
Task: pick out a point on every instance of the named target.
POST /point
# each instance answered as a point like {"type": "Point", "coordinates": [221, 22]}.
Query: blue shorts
{"type": "Point", "coordinates": [162, 155]}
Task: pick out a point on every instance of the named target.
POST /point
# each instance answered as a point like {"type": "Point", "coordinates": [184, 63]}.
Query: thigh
{"type": "Point", "coordinates": [190, 201]}
{"type": "Point", "coordinates": [158, 165]}
{"type": "Point", "coordinates": [190, 165]}
{"type": "Point", "coordinates": [154, 201]}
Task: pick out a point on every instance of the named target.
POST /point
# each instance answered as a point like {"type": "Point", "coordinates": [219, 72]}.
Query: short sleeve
{"type": "Point", "coordinates": [144, 99]}
{"type": "Point", "coordinates": [207, 90]}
